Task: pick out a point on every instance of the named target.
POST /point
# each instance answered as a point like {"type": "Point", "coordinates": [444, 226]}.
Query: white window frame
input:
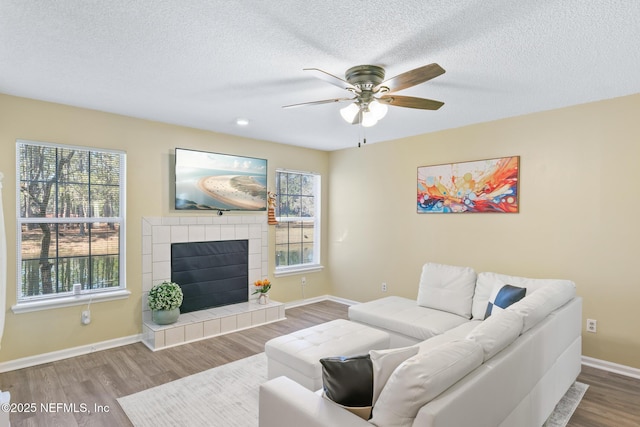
{"type": "Point", "coordinates": [26, 304]}
{"type": "Point", "coordinates": [315, 265]}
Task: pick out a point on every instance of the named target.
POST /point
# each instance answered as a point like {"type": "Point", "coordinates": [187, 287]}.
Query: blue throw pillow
{"type": "Point", "coordinates": [503, 297]}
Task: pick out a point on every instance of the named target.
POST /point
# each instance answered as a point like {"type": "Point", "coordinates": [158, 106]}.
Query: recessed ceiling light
{"type": "Point", "coordinates": [242, 122]}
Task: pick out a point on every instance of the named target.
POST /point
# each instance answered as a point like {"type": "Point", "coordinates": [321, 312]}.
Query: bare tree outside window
{"type": "Point", "coordinates": [297, 238]}
{"type": "Point", "coordinates": [69, 218]}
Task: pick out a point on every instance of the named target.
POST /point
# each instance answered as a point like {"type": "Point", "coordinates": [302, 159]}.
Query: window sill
{"type": "Point", "coordinates": [298, 269]}
{"type": "Point", "coordinates": [47, 304]}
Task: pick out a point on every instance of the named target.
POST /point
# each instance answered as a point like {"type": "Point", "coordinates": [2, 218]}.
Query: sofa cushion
{"type": "Point", "coordinates": [421, 378]}
{"type": "Point", "coordinates": [404, 316]}
{"type": "Point", "coordinates": [538, 305]}
{"type": "Point", "coordinates": [497, 332]}
{"type": "Point", "coordinates": [348, 381]}
{"type": "Point", "coordinates": [454, 334]}
{"type": "Point", "coordinates": [384, 362]}
{"type": "Point", "coordinates": [463, 330]}
{"type": "Point", "coordinates": [448, 288]}
{"type": "Point", "coordinates": [502, 297]}
{"type": "Point", "coordinates": [437, 341]}
{"type": "Point", "coordinates": [487, 281]}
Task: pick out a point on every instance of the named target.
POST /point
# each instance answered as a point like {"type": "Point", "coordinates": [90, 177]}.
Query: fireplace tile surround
{"type": "Point", "coordinates": [158, 233]}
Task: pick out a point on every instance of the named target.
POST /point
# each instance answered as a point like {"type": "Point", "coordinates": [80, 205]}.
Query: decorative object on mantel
{"type": "Point", "coordinates": [164, 301]}
{"type": "Point", "coordinates": [271, 200]}
{"type": "Point", "coordinates": [262, 288]}
{"type": "Point", "coordinates": [479, 186]}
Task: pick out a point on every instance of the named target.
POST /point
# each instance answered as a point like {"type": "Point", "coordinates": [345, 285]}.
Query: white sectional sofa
{"type": "Point", "coordinates": [508, 370]}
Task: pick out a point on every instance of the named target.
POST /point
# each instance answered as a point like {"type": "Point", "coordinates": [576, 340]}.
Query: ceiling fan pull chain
{"type": "Point", "coordinates": [362, 133]}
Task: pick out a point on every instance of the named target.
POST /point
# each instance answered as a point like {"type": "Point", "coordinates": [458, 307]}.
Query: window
{"type": "Point", "coordinates": [70, 221]}
{"type": "Point", "coordinates": [298, 216]}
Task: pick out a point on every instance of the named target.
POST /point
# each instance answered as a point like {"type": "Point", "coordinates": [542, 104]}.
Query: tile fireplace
{"type": "Point", "coordinates": [158, 235]}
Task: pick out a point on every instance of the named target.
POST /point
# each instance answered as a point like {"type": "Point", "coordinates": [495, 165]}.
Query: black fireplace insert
{"type": "Point", "coordinates": [211, 274]}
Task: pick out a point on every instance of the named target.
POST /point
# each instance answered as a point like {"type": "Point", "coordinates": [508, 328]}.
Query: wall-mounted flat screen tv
{"type": "Point", "coordinates": [213, 181]}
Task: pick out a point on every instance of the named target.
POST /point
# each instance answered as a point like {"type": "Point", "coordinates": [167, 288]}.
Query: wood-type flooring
{"type": "Point", "coordinates": [82, 391]}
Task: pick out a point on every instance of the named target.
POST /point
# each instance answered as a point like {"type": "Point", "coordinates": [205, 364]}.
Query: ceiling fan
{"type": "Point", "coordinates": [372, 93]}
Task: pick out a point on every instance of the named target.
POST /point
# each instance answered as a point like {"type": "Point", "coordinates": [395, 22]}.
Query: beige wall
{"type": "Point", "coordinates": [579, 214]}
{"type": "Point", "coordinates": [149, 146]}
{"type": "Point", "coordinates": [578, 218]}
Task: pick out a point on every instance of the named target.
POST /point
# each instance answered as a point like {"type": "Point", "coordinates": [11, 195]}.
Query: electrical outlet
{"type": "Point", "coordinates": [384, 287]}
{"type": "Point", "coordinates": [592, 325]}
{"type": "Point", "coordinates": [303, 281]}
{"type": "Point", "coordinates": [86, 317]}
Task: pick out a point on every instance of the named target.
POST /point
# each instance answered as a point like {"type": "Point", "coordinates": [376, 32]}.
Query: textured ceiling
{"type": "Point", "coordinates": [204, 63]}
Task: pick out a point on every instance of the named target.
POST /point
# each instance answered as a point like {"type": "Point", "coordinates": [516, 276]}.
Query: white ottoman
{"type": "Point", "coordinates": [297, 355]}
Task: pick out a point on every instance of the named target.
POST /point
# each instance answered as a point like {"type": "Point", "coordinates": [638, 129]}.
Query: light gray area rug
{"type": "Point", "coordinates": [567, 405]}
{"type": "Point", "coordinates": [227, 396]}
{"type": "Point", "coordinates": [223, 396]}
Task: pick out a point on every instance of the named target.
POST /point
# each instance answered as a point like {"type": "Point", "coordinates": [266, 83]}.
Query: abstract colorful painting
{"type": "Point", "coordinates": [478, 186]}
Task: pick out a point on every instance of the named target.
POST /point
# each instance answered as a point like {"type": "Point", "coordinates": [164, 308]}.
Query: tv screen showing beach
{"type": "Point", "coordinates": [212, 181]}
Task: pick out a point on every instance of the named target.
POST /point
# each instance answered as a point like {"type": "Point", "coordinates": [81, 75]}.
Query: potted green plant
{"type": "Point", "coordinates": [164, 302]}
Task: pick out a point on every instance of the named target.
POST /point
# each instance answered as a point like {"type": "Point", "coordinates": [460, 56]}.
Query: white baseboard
{"type": "Point", "coordinates": [616, 368]}
{"type": "Point", "coordinates": [54, 356]}
{"type": "Point", "coordinates": [306, 301]}
{"type": "Point", "coordinates": [342, 300]}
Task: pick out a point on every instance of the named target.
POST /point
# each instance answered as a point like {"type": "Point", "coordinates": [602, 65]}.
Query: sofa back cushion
{"type": "Point", "coordinates": [385, 362]}
{"type": "Point", "coordinates": [487, 282]}
{"type": "Point", "coordinates": [421, 378]}
{"type": "Point", "coordinates": [497, 332]}
{"type": "Point", "coordinates": [540, 304]}
{"type": "Point", "coordinates": [448, 288]}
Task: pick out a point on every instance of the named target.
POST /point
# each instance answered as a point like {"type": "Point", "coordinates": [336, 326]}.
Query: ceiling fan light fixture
{"type": "Point", "coordinates": [378, 109]}
{"type": "Point", "coordinates": [350, 112]}
{"type": "Point", "coordinates": [368, 118]}
{"type": "Point", "coordinates": [372, 94]}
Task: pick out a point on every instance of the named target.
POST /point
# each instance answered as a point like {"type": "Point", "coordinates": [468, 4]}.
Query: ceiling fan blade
{"type": "Point", "coordinates": [411, 78]}
{"type": "Point", "coordinates": [330, 78]}
{"type": "Point", "coordinates": [411, 102]}
{"type": "Point", "coordinates": [324, 101]}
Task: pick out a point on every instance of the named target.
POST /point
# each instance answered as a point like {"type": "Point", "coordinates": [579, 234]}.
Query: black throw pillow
{"type": "Point", "coordinates": [348, 381]}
